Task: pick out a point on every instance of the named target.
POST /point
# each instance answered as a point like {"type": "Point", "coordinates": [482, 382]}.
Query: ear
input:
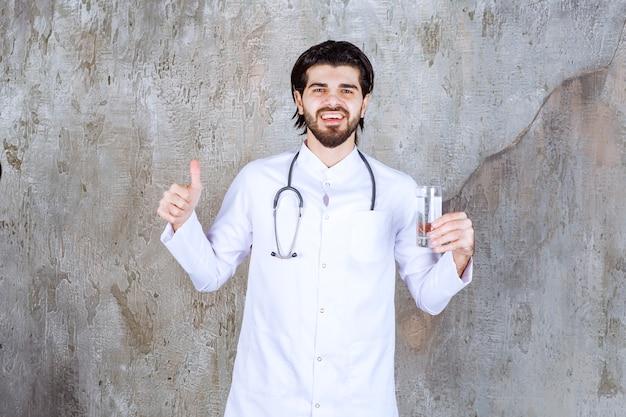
{"type": "Point", "coordinates": [366, 100]}
{"type": "Point", "coordinates": [298, 98]}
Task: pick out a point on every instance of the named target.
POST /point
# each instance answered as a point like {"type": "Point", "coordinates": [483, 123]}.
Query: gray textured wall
{"type": "Point", "coordinates": [518, 107]}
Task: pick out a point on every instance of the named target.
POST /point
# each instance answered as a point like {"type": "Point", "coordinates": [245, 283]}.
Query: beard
{"type": "Point", "coordinates": [330, 136]}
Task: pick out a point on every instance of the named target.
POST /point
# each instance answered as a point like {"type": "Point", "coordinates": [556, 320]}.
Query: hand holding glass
{"type": "Point", "coordinates": [428, 209]}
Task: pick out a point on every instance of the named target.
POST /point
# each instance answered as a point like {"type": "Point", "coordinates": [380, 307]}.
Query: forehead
{"type": "Point", "coordinates": [331, 74]}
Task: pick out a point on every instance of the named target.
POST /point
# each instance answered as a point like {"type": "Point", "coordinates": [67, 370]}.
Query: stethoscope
{"type": "Point", "coordinates": [291, 254]}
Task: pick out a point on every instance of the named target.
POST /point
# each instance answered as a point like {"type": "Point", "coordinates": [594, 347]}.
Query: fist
{"type": "Point", "coordinates": [179, 202]}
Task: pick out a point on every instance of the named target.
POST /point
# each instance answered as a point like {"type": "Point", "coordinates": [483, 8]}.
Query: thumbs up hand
{"type": "Point", "coordinates": [179, 202]}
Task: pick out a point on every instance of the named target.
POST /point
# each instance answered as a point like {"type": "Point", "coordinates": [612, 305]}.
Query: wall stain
{"type": "Point", "coordinates": [542, 198]}
{"type": "Point", "coordinates": [199, 308]}
{"type": "Point", "coordinates": [92, 302]}
{"type": "Point", "coordinates": [431, 40]}
{"type": "Point", "coordinates": [139, 318]}
{"type": "Point", "coordinates": [492, 24]}
{"type": "Point", "coordinates": [43, 291]}
{"type": "Point", "coordinates": [417, 329]}
{"type": "Point", "coordinates": [12, 153]}
{"type": "Point", "coordinates": [57, 388]}
{"type": "Point", "coordinates": [522, 327]}
{"type": "Point", "coordinates": [608, 386]}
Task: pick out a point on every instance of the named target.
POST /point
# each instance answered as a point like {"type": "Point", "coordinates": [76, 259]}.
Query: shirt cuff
{"type": "Point", "coordinates": [169, 233]}
{"type": "Point", "coordinates": [455, 282]}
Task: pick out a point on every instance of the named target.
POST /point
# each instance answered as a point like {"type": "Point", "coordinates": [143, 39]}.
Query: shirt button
{"type": "Point", "coordinates": [317, 405]}
{"type": "Point", "coordinates": [319, 358]}
{"type": "Point", "coordinates": [323, 265]}
{"type": "Point", "coordinates": [321, 310]}
{"type": "Point", "coordinates": [326, 217]}
{"type": "Point", "coordinates": [327, 184]}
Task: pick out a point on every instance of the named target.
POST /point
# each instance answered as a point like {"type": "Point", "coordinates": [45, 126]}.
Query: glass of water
{"type": "Point", "coordinates": [428, 209]}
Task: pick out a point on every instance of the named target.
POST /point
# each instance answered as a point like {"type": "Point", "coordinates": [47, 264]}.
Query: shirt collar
{"type": "Point", "coordinates": [312, 164]}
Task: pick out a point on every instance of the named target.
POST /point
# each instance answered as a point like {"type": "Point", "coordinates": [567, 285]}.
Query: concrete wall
{"type": "Point", "coordinates": [518, 107]}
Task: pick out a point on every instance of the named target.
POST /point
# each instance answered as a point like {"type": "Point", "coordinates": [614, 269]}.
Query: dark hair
{"type": "Point", "coordinates": [335, 53]}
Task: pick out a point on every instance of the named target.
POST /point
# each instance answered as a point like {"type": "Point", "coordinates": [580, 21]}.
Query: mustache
{"type": "Point", "coordinates": [339, 109]}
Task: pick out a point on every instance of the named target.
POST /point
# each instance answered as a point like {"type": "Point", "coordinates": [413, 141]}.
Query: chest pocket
{"type": "Point", "coordinates": [370, 235]}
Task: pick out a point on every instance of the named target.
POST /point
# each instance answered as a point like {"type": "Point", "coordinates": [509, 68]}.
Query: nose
{"type": "Point", "coordinates": [332, 99]}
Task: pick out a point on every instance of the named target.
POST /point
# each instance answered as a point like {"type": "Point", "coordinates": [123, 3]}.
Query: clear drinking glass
{"type": "Point", "coordinates": [428, 209]}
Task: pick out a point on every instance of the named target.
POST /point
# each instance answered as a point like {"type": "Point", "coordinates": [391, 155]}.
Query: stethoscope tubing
{"type": "Point", "coordinates": [291, 254]}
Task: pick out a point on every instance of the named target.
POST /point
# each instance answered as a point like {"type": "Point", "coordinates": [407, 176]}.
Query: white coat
{"type": "Point", "coordinates": [318, 332]}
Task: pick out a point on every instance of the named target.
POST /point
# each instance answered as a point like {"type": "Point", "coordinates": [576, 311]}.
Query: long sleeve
{"type": "Point", "coordinates": [433, 290]}
{"type": "Point", "coordinates": [431, 278]}
{"type": "Point", "coordinates": [193, 251]}
{"type": "Point", "coordinates": [211, 259]}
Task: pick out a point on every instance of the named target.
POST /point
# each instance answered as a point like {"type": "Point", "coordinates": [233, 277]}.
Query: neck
{"type": "Point", "coordinates": [330, 156]}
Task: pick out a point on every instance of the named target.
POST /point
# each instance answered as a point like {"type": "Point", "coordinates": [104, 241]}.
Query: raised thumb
{"type": "Point", "coordinates": [194, 170]}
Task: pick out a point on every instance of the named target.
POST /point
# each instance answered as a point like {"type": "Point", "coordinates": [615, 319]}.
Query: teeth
{"type": "Point", "coordinates": [332, 116]}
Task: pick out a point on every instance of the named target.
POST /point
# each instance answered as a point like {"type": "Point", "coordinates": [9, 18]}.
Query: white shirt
{"type": "Point", "coordinates": [318, 332]}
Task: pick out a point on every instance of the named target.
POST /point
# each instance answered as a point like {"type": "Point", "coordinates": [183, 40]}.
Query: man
{"type": "Point", "coordinates": [318, 331]}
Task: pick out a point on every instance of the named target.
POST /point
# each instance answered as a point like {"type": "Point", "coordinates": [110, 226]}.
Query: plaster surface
{"type": "Point", "coordinates": [518, 108]}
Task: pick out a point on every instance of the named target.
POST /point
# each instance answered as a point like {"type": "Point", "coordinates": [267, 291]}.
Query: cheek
{"type": "Point", "coordinates": [310, 106]}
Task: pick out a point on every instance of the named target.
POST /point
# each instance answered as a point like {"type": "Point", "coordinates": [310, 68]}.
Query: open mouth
{"type": "Point", "coordinates": [333, 117]}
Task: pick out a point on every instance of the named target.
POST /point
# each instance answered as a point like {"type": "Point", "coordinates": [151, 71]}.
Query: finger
{"type": "Point", "coordinates": [194, 171]}
{"type": "Point", "coordinates": [170, 208]}
{"type": "Point", "coordinates": [444, 231]}
{"type": "Point", "coordinates": [172, 213]}
{"type": "Point", "coordinates": [453, 231]}
{"type": "Point", "coordinates": [448, 217]}
{"type": "Point", "coordinates": [455, 248]}
{"type": "Point", "coordinates": [177, 196]}
{"type": "Point", "coordinates": [444, 242]}
{"type": "Point", "coordinates": [460, 240]}
{"type": "Point", "coordinates": [164, 213]}
{"type": "Point", "coordinates": [451, 242]}
{"type": "Point", "coordinates": [449, 222]}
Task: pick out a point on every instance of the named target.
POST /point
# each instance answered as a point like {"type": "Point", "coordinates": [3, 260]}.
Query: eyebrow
{"type": "Point", "coordinates": [343, 85]}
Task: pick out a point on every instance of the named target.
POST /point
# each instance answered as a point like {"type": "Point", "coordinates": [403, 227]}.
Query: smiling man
{"type": "Point", "coordinates": [339, 105]}
{"type": "Point", "coordinates": [325, 227]}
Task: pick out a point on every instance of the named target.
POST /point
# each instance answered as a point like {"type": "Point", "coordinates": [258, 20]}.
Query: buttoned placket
{"type": "Point", "coordinates": [321, 376]}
